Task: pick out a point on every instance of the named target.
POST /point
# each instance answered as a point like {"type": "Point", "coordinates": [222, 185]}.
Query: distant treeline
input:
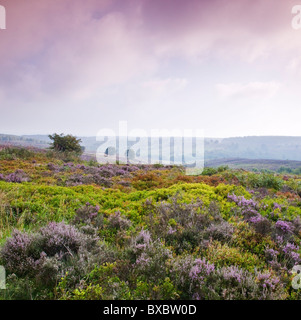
{"type": "Point", "coordinates": [261, 147]}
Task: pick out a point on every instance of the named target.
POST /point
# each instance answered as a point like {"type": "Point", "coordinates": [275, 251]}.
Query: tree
{"type": "Point", "coordinates": [66, 143]}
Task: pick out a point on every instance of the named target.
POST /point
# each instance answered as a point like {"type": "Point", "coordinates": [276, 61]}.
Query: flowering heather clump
{"type": "Point", "coordinates": [143, 240]}
{"type": "Point", "coordinates": [75, 180]}
{"type": "Point", "coordinates": [233, 283]}
{"type": "Point", "coordinates": [171, 230]}
{"type": "Point", "coordinates": [290, 251]}
{"type": "Point", "coordinates": [227, 283]}
{"type": "Point", "coordinates": [271, 253]}
{"type": "Point", "coordinates": [143, 260]}
{"type": "Point", "coordinates": [261, 225]}
{"type": "Point", "coordinates": [50, 252]}
{"type": "Point", "coordinates": [277, 206]}
{"type": "Point", "coordinates": [124, 183]}
{"type": "Point", "coordinates": [86, 214]}
{"type": "Point", "coordinates": [78, 179]}
{"type": "Point", "coordinates": [152, 261]}
{"type": "Point", "coordinates": [180, 270]}
{"type": "Point", "coordinates": [102, 181]}
{"type": "Point", "coordinates": [18, 176]}
{"type": "Point", "coordinates": [296, 224]}
{"type": "Point", "coordinates": [202, 280]}
{"type": "Point", "coordinates": [267, 281]}
{"type": "Point", "coordinates": [116, 221]}
{"type": "Point", "coordinates": [233, 274]}
{"type": "Point", "coordinates": [193, 216]}
{"type": "Point", "coordinates": [60, 238]}
{"type": "Point", "coordinates": [221, 232]}
{"type": "Point", "coordinates": [249, 207]}
{"type": "Point", "coordinates": [81, 166]}
{"type": "Point", "coordinates": [200, 270]}
{"type": "Point", "coordinates": [69, 165]}
{"type": "Point", "coordinates": [98, 174]}
{"type": "Point", "coordinates": [241, 201]}
{"type": "Point", "coordinates": [53, 167]}
{"type": "Point", "coordinates": [285, 227]}
{"type": "Point", "coordinates": [256, 219]}
{"type": "Point", "coordinates": [15, 253]}
{"type": "Point", "coordinates": [261, 193]}
{"type": "Point", "coordinates": [285, 258]}
{"type": "Point", "coordinates": [295, 256]}
{"type": "Point", "coordinates": [110, 170]}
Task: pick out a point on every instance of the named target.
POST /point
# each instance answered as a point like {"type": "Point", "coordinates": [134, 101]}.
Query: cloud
{"type": "Point", "coordinates": [227, 29]}
{"type": "Point", "coordinates": [164, 86]}
{"type": "Point", "coordinates": [247, 91]}
{"type": "Point", "coordinates": [64, 62]}
{"type": "Point", "coordinates": [61, 47]}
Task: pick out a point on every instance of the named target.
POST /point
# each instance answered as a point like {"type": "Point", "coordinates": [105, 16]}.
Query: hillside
{"type": "Point", "coordinates": [73, 229]}
{"type": "Point", "coordinates": [256, 164]}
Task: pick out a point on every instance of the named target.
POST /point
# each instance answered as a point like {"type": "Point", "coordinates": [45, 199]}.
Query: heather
{"type": "Point", "coordinates": [73, 229]}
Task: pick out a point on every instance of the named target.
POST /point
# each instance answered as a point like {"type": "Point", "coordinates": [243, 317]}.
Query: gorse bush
{"type": "Point", "coordinates": [208, 171]}
{"type": "Point", "coordinates": [260, 180]}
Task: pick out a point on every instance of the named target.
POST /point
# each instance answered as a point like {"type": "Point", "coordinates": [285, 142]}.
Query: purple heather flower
{"type": "Point", "coordinates": [289, 247]}
{"type": "Point", "coordinates": [171, 230]}
{"type": "Point", "coordinates": [256, 219]}
{"type": "Point", "coordinates": [286, 227]}
{"type": "Point", "coordinates": [273, 253]}
{"type": "Point", "coordinates": [277, 206]}
{"type": "Point", "coordinates": [268, 281]}
{"type": "Point", "coordinates": [295, 256]}
{"type": "Point", "coordinates": [201, 269]}
{"type": "Point", "coordinates": [143, 260]}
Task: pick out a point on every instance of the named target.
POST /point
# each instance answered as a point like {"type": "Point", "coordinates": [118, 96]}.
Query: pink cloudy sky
{"type": "Point", "coordinates": [230, 68]}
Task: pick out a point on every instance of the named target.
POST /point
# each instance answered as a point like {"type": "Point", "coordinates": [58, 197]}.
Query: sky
{"type": "Point", "coordinates": [228, 68]}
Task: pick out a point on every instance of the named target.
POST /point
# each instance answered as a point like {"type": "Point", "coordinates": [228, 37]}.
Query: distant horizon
{"type": "Point", "coordinates": [91, 136]}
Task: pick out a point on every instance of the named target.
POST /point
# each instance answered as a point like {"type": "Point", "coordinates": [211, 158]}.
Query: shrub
{"type": "Point", "coordinates": [66, 143]}
{"type": "Point", "coordinates": [261, 225]}
{"type": "Point", "coordinates": [221, 232]}
{"type": "Point", "coordinates": [88, 214]}
{"type": "Point", "coordinates": [116, 221]}
{"type": "Point", "coordinates": [265, 180]}
{"type": "Point", "coordinates": [16, 255]}
{"type": "Point", "coordinates": [48, 254]}
{"type": "Point", "coordinates": [223, 255]}
{"type": "Point", "coordinates": [13, 153]}
{"type": "Point", "coordinates": [18, 176]}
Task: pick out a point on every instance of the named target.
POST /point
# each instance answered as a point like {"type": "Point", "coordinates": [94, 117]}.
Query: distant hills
{"type": "Point", "coordinates": [225, 150]}
{"type": "Point", "coordinates": [258, 164]}
{"type": "Point", "coordinates": [275, 148]}
{"type": "Point", "coordinates": [38, 141]}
